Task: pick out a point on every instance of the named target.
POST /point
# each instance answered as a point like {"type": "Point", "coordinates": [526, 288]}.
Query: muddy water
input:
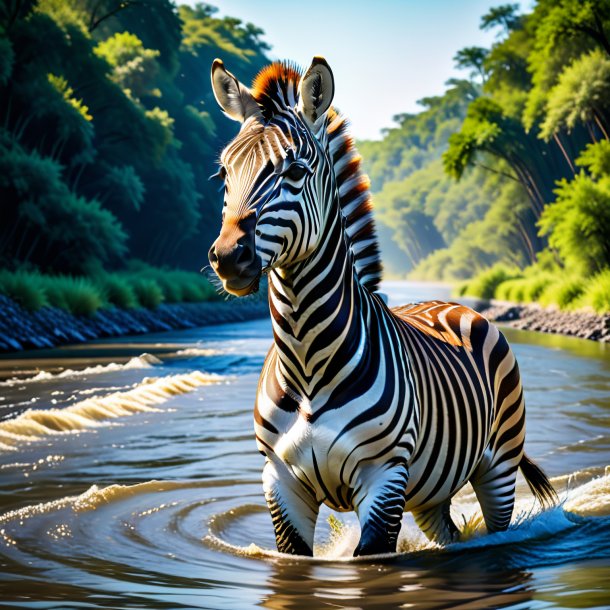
{"type": "Point", "coordinates": [129, 478]}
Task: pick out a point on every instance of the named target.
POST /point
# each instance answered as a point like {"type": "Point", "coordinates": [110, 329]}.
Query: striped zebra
{"type": "Point", "coordinates": [359, 406]}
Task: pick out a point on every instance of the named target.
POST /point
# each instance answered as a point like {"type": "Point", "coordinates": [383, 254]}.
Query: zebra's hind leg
{"type": "Point", "coordinates": [495, 491]}
{"type": "Point", "coordinates": [437, 524]}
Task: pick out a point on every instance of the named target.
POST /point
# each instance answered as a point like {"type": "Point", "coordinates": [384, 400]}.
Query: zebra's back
{"type": "Point", "coordinates": [469, 395]}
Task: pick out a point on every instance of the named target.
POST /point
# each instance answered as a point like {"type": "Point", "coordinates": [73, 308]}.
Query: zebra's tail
{"type": "Point", "coordinates": [538, 482]}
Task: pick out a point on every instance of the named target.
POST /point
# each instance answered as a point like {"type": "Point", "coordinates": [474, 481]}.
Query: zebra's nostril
{"type": "Point", "coordinates": [212, 256]}
{"type": "Point", "coordinates": [244, 255]}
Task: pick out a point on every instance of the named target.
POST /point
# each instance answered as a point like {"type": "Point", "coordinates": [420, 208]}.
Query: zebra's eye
{"type": "Point", "coordinates": [296, 172]}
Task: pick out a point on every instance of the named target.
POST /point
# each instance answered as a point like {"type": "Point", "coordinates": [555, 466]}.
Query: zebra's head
{"type": "Point", "coordinates": [274, 171]}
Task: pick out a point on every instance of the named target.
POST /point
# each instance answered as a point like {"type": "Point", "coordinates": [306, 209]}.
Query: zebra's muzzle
{"type": "Point", "coordinates": [236, 264]}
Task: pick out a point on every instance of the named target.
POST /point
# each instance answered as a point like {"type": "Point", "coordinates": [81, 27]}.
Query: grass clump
{"type": "Point", "coordinates": [484, 285]}
{"type": "Point", "coordinates": [177, 286]}
{"type": "Point", "coordinates": [78, 295]}
{"type": "Point", "coordinates": [564, 293]}
{"type": "Point", "coordinates": [139, 286]}
{"type": "Point", "coordinates": [597, 294]}
{"type": "Point", "coordinates": [117, 291]}
{"type": "Point", "coordinates": [148, 292]}
{"type": "Point", "coordinates": [523, 289]}
{"type": "Point", "coordinates": [25, 288]}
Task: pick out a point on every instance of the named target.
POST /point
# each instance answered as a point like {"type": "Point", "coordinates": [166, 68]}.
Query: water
{"type": "Point", "coordinates": [141, 488]}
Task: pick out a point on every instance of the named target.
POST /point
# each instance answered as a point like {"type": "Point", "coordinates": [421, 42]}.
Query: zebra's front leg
{"type": "Point", "coordinates": [294, 509]}
{"type": "Point", "coordinates": [379, 506]}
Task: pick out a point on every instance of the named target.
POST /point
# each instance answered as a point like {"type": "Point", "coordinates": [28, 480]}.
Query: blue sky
{"type": "Point", "coordinates": [385, 54]}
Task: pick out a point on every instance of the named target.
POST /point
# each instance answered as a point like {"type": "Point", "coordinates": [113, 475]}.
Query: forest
{"type": "Point", "coordinates": [108, 135]}
{"type": "Point", "coordinates": [109, 131]}
{"type": "Point", "coordinates": [505, 177]}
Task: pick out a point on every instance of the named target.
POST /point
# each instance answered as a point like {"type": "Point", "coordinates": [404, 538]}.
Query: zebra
{"type": "Point", "coordinates": [360, 407]}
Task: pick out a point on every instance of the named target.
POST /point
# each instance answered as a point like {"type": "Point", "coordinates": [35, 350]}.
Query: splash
{"type": "Point", "coordinates": [143, 361]}
{"type": "Point", "coordinates": [589, 500]}
{"type": "Point", "coordinates": [93, 412]}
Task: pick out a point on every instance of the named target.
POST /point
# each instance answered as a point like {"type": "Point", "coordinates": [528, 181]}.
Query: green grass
{"type": "Point", "coordinates": [148, 292]}
{"type": "Point", "coordinates": [548, 287]}
{"type": "Point", "coordinates": [484, 285]}
{"type": "Point", "coordinates": [78, 295]}
{"type": "Point", "coordinates": [597, 293]}
{"type": "Point", "coordinates": [523, 289]}
{"type": "Point", "coordinates": [138, 286]}
{"type": "Point", "coordinates": [117, 291]}
{"type": "Point", "coordinates": [564, 293]}
{"type": "Point", "coordinates": [24, 288]}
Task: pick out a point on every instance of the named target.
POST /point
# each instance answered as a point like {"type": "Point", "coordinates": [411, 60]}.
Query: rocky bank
{"type": "Point", "coordinates": [49, 326]}
{"type": "Point", "coordinates": [580, 324]}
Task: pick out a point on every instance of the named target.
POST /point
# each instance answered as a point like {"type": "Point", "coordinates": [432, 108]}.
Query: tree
{"type": "Point", "coordinates": [578, 222]}
{"type": "Point", "coordinates": [504, 17]}
{"type": "Point", "coordinates": [473, 59]}
{"type": "Point", "coordinates": [582, 94]}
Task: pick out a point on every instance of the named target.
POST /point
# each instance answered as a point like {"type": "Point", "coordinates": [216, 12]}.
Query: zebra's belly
{"type": "Point", "coordinates": [436, 475]}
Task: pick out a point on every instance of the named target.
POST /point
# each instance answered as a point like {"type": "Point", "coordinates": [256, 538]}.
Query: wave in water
{"type": "Point", "coordinates": [143, 361]}
{"type": "Point", "coordinates": [159, 527]}
{"type": "Point", "coordinates": [96, 411]}
{"type": "Point", "coordinates": [579, 506]}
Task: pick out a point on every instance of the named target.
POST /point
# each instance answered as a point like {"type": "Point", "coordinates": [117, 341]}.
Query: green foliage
{"type": "Point", "coordinates": [484, 285]}
{"type": "Point", "coordinates": [503, 16]}
{"type": "Point", "coordinates": [147, 291]}
{"type": "Point", "coordinates": [524, 289]}
{"type": "Point", "coordinates": [563, 293]}
{"type": "Point", "coordinates": [110, 129]}
{"type": "Point", "coordinates": [581, 92]}
{"type": "Point", "coordinates": [61, 85]}
{"type": "Point", "coordinates": [473, 59]}
{"type": "Point", "coordinates": [116, 290]}
{"type": "Point", "coordinates": [176, 286]}
{"type": "Point", "coordinates": [51, 225]}
{"type": "Point", "coordinates": [76, 294]}
{"type": "Point", "coordinates": [578, 223]}
{"type": "Point", "coordinates": [23, 288]}
{"type": "Point", "coordinates": [139, 286]}
{"type": "Point", "coordinates": [561, 32]}
{"type": "Point", "coordinates": [597, 294]}
{"type": "Point", "coordinates": [596, 158]}
{"type": "Point", "coordinates": [136, 69]}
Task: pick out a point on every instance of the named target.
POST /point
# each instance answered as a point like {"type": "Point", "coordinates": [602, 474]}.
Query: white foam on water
{"type": "Point", "coordinates": [143, 361]}
{"type": "Point", "coordinates": [97, 411]}
{"type": "Point", "coordinates": [198, 352]}
{"type": "Point", "coordinates": [591, 499]}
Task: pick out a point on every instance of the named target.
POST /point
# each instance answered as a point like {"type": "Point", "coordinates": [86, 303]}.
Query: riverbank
{"type": "Point", "coordinates": [22, 329]}
{"type": "Point", "coordinates": [584, 325]}
{"type": "Point", "coordinates": [50, 326]}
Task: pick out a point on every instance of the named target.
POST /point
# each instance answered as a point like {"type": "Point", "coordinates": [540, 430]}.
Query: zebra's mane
{"type": "Point", "coordinates": [275, 88]}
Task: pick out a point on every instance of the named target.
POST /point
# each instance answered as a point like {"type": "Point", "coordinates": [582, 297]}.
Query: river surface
{"type": "Point", "coordinates": [129, 478]}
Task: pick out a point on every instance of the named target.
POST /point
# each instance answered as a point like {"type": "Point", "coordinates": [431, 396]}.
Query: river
{"type": "Point", "coordinates": [129, 478]}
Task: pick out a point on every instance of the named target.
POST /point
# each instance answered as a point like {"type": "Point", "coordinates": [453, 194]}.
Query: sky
{"type": "Point", "coordinates": [385, 54]}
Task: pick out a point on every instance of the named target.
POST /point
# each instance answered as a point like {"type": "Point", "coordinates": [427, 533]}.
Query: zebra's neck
{"type": "Point", "coordinates": [319, 312]}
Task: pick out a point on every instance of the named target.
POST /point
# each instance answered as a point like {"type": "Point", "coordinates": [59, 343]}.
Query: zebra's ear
{"type": "Point", "coordinates": [234, 98]}
{"type": "Point", "coordinates": [316, 90]}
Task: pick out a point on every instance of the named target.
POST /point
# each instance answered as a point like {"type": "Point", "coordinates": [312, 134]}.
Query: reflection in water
{"type": "Point", "coordinates": [163, 508]}
{"type": "Point", "coordinates": [385, 587]}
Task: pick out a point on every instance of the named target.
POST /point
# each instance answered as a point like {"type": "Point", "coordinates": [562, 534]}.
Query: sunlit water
{"type": "Point", "coordinates": [129, 478]}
